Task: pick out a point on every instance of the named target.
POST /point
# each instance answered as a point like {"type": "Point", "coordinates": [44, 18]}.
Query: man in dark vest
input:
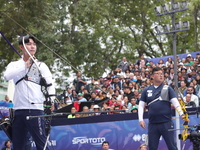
{"type": "Point", "coordinates": [158, 98]}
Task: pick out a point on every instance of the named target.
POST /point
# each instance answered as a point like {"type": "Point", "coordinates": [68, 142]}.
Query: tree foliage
{"type": "Point", "coordinates": [92, 36]}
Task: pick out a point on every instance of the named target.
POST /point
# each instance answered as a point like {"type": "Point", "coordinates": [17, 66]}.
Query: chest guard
{"type": "Point", "coordinates": [33, 75]}
{"type": "Point", "coordinates": [164, 95]}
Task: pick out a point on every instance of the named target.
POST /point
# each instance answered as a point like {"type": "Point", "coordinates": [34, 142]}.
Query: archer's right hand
{"type": "Point", "coordinates": [29, 62]}
{"type": "Point", "coordinates": [143, 124]}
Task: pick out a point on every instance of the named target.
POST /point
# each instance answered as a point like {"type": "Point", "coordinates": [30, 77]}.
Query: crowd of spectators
{"type": "Point", "coordinates": [122, 88]}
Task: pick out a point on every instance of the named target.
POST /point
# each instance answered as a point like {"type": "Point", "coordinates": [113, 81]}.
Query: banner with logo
{"type": "Point", "coordinates": [122, 135]}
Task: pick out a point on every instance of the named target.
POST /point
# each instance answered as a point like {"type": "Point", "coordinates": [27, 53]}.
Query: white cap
{"type": "Point", "coordinates": [96, 83]}
{"type": "Point", "coordinates": [180, 63]}
{"type": "Point", "coordinates": [96, 106]}
{"type": "Point", "coordinates": [189, 55]}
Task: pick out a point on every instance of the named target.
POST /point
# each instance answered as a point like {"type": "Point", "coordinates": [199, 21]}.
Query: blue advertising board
{"type": "Point", "coordinates": [122, 135]}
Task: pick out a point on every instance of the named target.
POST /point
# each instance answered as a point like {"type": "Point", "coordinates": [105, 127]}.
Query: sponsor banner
{"type": "Point", "coordinates": [122, 135]}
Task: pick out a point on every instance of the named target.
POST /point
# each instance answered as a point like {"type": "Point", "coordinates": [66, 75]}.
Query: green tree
{"type": "Point", "coordinates": [92, 36]}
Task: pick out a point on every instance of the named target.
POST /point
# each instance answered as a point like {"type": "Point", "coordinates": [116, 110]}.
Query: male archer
{"type": "Point", "coordinates": [28, 97]}
{"type": "Point", "coordinates": [159, 97]}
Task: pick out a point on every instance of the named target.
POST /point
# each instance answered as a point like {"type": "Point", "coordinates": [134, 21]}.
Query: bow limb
{"type": "Point", "coordinates": [185, 117]}
{"type": "Point", "coordinates": [10, 44]}
{"type": "Point", "coordinates": [185, 133]}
